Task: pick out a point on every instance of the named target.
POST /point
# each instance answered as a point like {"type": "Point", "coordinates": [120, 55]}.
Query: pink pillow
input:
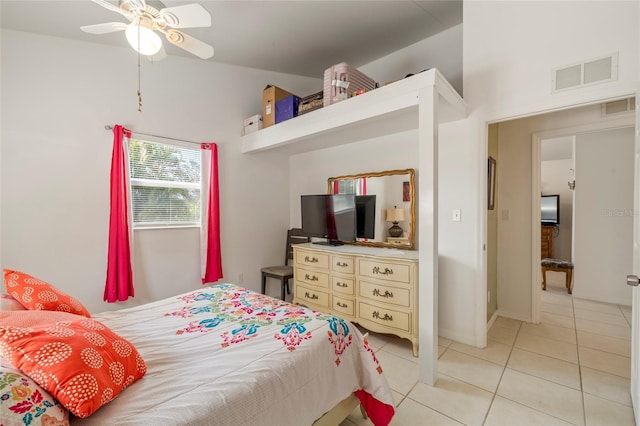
{"type": "Point", "coordinates": [8, 303]}
{"type": "Point", "coordinates": [35, 294]}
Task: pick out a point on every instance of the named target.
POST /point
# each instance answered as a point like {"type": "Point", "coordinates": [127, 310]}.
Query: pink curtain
{"type": "Point", "coordinates": [211, 255]}
{"type": "Point", "coordinates": [119, 283]}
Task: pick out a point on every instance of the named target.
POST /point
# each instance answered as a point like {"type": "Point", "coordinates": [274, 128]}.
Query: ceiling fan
{"type": "Point", "coordinates": [146, 21]}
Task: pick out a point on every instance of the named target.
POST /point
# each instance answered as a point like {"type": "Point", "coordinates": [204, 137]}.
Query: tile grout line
{"type": "Point", "coordinates": [504, 368]}
{"type": "Point", "coordinates": [584, 408]}
{"type": "Point", "coordinates": [624, 316]}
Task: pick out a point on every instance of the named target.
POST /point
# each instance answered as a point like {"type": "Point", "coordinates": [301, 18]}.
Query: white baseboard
{"type": "Point", "coordinates": [457, 337]}
{"type": "Point", "coordinates": [492, 320]}
{"type": "Point", "coordinates": [513, 315]}
{"type": "Point", "coordinates": [599, 298]}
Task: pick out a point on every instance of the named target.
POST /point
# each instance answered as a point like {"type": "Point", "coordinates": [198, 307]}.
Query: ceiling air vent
{"type": "Point", "coordinates": [586, 73]}
{"type": "Point", "coordinates": [618, 107]}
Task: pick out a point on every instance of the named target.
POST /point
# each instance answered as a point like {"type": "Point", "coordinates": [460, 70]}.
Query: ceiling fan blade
{"type": "Point", "coordinates": [113, 8]}
{"type": "Point", "coordinates": [190, 44]}
{"type": "Point", "coordinates": [108, 27]}
{"type": "Point", "coordinates": [162, 54]}
{"type": "Point", "coordinates": [187, 16]}
{"type": "Point", "coordinates": [138, 4]}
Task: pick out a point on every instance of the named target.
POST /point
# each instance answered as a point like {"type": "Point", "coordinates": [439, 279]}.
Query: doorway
{"type": "Point", "coordinates": [598, 238]}
{"type": "Point", "coordinates": [517, 222]}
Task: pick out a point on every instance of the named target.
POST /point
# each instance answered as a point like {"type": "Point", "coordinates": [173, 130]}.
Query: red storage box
{"type": "Point", "coordinates": [342, 80]}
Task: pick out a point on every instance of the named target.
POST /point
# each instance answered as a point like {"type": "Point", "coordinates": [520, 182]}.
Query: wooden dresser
{"type": "Point", "coordinates": [374, 287]}
{"type": "Point", "coordinates": [546, 242]}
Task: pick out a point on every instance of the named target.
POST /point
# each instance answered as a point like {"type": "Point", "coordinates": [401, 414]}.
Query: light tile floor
{"type": "Point", "coordinates": [571, 369]}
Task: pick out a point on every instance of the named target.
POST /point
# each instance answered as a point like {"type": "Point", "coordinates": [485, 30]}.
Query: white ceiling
{"type": "Point", "coordinates": [301, 37]}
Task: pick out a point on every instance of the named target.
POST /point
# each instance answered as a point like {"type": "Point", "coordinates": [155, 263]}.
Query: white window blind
{"type": "Point", "coordinates": [165, 184]}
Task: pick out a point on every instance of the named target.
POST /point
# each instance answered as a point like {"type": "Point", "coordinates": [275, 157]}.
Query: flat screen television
{"type": "Point", "coordinates": [365, 216]}
{"type": "Point", "coordinates": [550, 210]}
{"type": "Point", "coordinates": [329, 216]}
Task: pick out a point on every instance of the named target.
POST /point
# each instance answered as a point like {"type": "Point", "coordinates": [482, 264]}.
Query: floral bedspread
{"type": "Point", "coordinates": [243, 358]}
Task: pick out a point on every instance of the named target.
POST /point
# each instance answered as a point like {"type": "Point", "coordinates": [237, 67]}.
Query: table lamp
{"type": "Point", "coordinates": [395, 215]}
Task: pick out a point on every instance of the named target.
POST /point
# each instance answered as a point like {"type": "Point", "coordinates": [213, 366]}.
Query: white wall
{"type": "Point", "coordinates": [508, 59]}
{"type": "Point", "coordinates": [442, 51]}
{"type": "Point", "coordinates": [604, 215]}
{"type": "Point", "coordinates": [57, 95]}
{"type": "Point", "coordinates": [310, 171]}
{"type": "Point", "coordinates": [554, 175]}
{"type": "Point", "coordinates": [507, 62]}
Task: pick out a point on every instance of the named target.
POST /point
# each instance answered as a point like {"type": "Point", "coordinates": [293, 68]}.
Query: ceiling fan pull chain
{"type": "Point", "coordinates": [139, 92]}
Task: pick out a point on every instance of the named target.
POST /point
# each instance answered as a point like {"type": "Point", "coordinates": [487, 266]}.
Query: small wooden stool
{"type": "Point", "coordinates": [557, 265]}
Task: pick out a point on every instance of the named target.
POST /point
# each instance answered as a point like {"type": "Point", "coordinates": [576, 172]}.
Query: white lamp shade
{"type": "Point", "coordinates": [395, 215]}
{"type": "Point", "coordinates": [149, 43]}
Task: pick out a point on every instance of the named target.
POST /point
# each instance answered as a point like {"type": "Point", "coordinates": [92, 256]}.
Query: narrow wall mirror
{"type": "Point", "coordinates": [385, 206]}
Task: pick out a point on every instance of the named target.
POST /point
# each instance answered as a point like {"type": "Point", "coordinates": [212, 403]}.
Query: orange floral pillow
{"type": "Point", "coordinates": [36, 294]}
{"type": "Point", "coordinates": [80, 362]}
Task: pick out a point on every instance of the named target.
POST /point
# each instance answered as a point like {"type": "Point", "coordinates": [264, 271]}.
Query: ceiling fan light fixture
{"type": "Point", "coordinates": [149, 43]}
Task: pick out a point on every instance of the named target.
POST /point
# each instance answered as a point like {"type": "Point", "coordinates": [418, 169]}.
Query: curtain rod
{"type": "Point", "coordinates": [110, 127]}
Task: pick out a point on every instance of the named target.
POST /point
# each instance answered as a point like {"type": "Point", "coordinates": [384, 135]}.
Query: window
{"type": "Point", "coordinates": [165, 184]}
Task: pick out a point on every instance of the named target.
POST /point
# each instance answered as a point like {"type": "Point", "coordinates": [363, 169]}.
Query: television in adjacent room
{"type": "Point", "coordinates": [550, 210]}
{"type": "Point", "coordinates": [365, 216]}
{"type": "Point", "coordinates": [332, 217]}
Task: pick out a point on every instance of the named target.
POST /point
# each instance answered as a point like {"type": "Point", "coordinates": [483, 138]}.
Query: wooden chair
{"type": "Point", "coordinates": [284, 272]}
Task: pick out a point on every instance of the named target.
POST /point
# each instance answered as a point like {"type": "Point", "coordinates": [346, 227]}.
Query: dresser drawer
{"type": "Point", "coordinates": [344, 306]}
{"type": "Point", "coordinates": [312, 258]}
{"type": "Point", "coordinates": [383, 316]}
{"type": "Point", "coordinates": [343, 285]}
{"type": "Point", "coordinates": [313, 278]}
{"type": "Point", "coordinates": [382, 293]}
{"type": "Point", "coordinates": [385, 270]}
{"type": "Point", "coordinates": [313, 296]}
{"type": "Point", "coordinates": [343, 264]}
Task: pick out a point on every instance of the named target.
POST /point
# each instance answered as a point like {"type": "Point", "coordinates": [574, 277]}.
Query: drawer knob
{"type": "Point", "coordinates": [310, 296]}
{"type": "Point", "coordinates": [343, 285]}
{"type": "Point", "coordinates": [342, 264]}
{"type": "Point", "coordinates": [311, 260]}
{"type": "Point", "coordinates": [386, 317]}
{"type": "Point", "coordinates": [385, 271]}
{"type": "Point", "coordinates": [342, 305]}
{"type": "Point", "coordinates": [308, 278]}
{"type": "Point", "coordinates": [377, 292]}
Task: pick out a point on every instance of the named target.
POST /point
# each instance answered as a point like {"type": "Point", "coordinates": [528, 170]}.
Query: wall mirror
{"type": "Point", "coordinates": [385, 206]}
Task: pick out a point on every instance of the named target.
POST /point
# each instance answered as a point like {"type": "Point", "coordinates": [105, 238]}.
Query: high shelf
{"type": "Point", "coordinates": [387, 110]}
{"type": "Point", "coordinates": [423, 102]}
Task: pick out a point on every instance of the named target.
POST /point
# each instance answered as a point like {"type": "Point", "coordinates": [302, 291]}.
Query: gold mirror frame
{"type": "Point", "coordinates": [412, 200]}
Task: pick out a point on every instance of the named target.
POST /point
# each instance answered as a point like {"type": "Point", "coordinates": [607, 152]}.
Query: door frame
{"type": "Point", "coordinates": [635, 312]}
{"type": "Point", "coordinates": [536, 143]}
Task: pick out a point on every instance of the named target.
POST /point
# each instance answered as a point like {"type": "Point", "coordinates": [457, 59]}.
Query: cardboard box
{"type": "Point", "coordinates": [287, 108]}
{"type": "Point", "coordinates": [271, 95]}
{"type": "Point", "coordinates": [252, 124]}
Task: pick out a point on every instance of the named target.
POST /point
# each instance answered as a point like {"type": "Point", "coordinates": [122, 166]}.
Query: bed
{"type": "Point", "coordinates": [226, 355]}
